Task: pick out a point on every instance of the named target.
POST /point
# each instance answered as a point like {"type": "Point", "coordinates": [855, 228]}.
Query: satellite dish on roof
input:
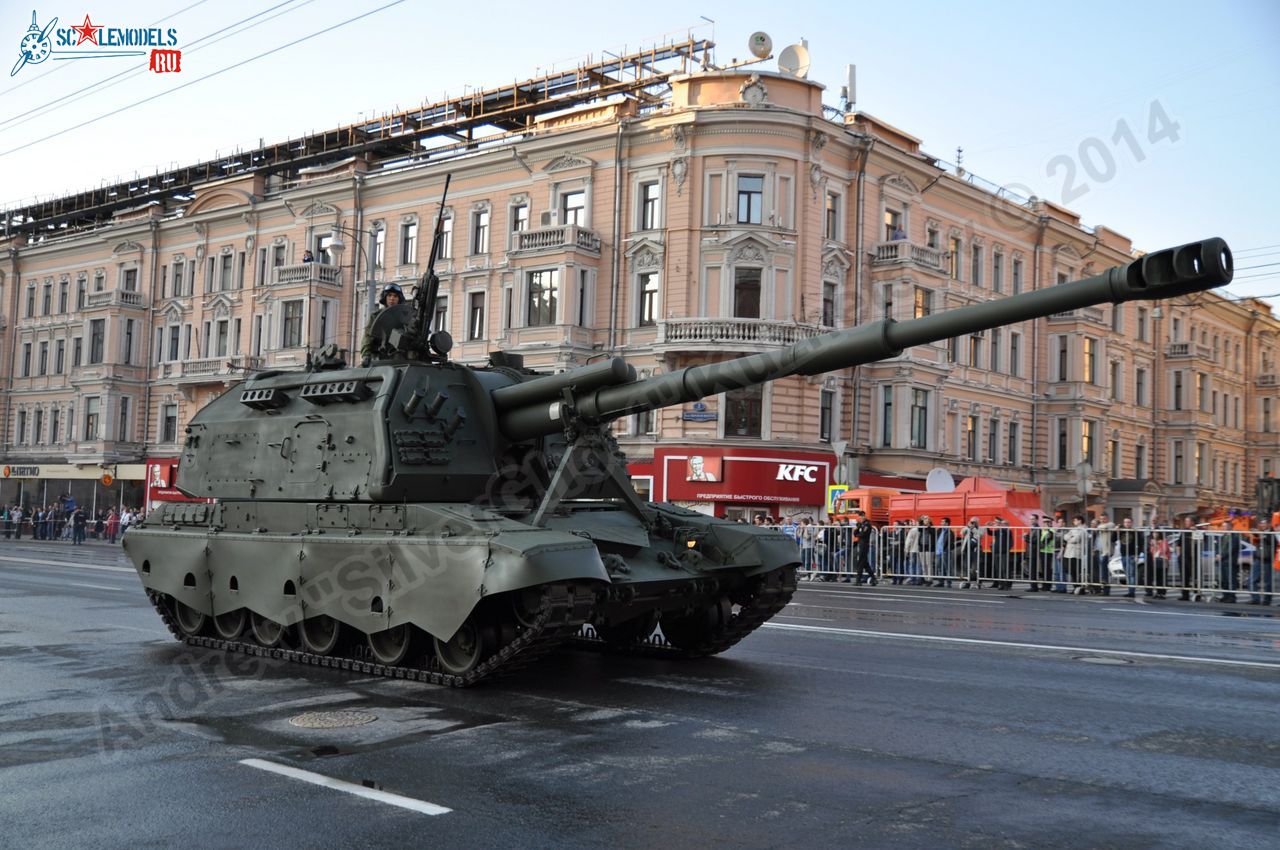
{"type": "Point", "coordinates": [939, 481]}
{"type": "Point", "coordinates": [794, 60]}
{"type": "Point", "coordinates": [760, 45]}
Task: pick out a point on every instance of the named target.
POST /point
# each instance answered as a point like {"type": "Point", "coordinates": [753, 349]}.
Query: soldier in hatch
{"type": "Point", "coordinates": [392, 295]}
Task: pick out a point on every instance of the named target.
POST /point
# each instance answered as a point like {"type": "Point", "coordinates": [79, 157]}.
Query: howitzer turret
{"type": "Point", "coordinates": [420, 518]}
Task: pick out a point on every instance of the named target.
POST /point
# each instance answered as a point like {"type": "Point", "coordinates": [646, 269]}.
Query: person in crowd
{"type": "Point", "coordinates": [78, 522]}
{"type": "Point", "coordinates": [100, 526]}
{"type": "Point", "coordinates": [911, 549]}
{"type": "Point", "coordinates": [113, 526]}
{"type": "Point", "coordinates": [894, 539]}
{"type": "Point", "coordinates": [1262, 573]}
{"type": "Point", "coordinates": [928, 542]}
{"type": "Point", "coordinates": [999, 542]}
{"type": "Point", "coordinates": [970, 551]}
{"type": "Point", "coordinates": [944, 554]}
{"type": "Point", "coordinates": [1131, 542]}
{"type": "Point", "coordinates": [1104, 547]}
{"type": "Point", "coordinates": [308, 257]}
{"type": "Point", "coordinates": [1229, 566]}
{"type": "Point", "coordinates": [16, 515]}
{"type": "Point", "coordinates": [1159, 553]}
{"type": "Point", "coordinates": [860, 547]}
{"type": "Point", "coordinates": [1035, 563]}
{"type": "Point", "coordinates": [1075, 544]}
{"type": "Point", "coordinates": [1188, 545]}
{"type": "Point", "coordinates": [807, 535]}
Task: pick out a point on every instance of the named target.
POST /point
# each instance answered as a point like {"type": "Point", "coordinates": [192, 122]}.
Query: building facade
{"type": "Point", "coordinates": [733, 215]}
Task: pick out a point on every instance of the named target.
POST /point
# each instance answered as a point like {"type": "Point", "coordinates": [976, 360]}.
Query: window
{"type": "Point", "coordinates": [1089, 442]}
{"type": "Point", "coordinates": [409, 244]}
{"type": "Point", "coordinates": [829, 304]}
{"type": "Point", "coordinates": [1202, 392]}
{"type": "Point", "coordinates": [278, 255]}
{"type": "Point", "coordinates": [97, 339]}
{"type": "Point", "coordinates": [22, 427]}
{"type": "Point", "coordinates": [1063, 363]}
{"type": "Point", "coordinates": [63, 293]}
{"type": "Point", "coordinates": [31, 301]}
{"type": "Point", "coordinates": [919, 419]}
{"type": "Point", "coordinates": [1012, 458]}
{"type": "Point", "coordinates": [750, 199]}
{"type": "Point", "coordinates": [122, 432]}
{"type": "Point", "coordinates": [127, 357]}
{"type": "Point", "coordinates": [931, 237]}
{"type": "Point", "coordinates": [649, 205]}
{"type": "Point", "coordinates": [173, 343]}
{"type": "Point", "coordinates": [379, 247]}
{"type": "Point", "coordinates": [993, 440]}
{"type": "Point", "coordinates": [997, 272]}
{"type": "Point", "coordinates": [480, 232]}
{"type": "Point", "coordinates": [1142, 324]}
{"type": "Point", "coordinates": [130, 280]}
{"type": "Point", "coordinates": [291, 324]}
{"type": "Point", "coordinates": [923, 305]}
{"type": "Point", "coordinates": [222, 330]}
{"type": "Point", "coordinates": [573, 208]}
{"type": "Point", "coordinates": [833, 216]}
{"type": "Point", "coordinates": [1177, 462]}
{"type": "Point", "coordinates": [888, 301]}
{"type": "Point", "coordinates": [169, 423]}
{"type": "Point", "coordinates": [178, 268]}
{"type": "Point", "coordinates": [55, 426]}
{"type": "Point", "coordinates": [544, 293]}
{"type": "Point", "coordinates": [648, 286]}
{"type": "Point", "coordinates": [746, 293]}
{"type": "Point", "coordinates": [44, 359]}
{"type": "Point", "coordinates": [519, 218]}
{"type": "Point", "coordinates": [743, 412]}
{"type": "Point", "coordinates": [91, 418]}
{"type": "Point", "coordinates": [206, 338]}
{"type": "Point", "coordinates": [1266, 415]}
{"type": "Point", "coordinates": [99, 281]}
{"type": "Point", "coordinates": [77, 351]}
{"type": "Point", "coordinates": [60, 357]}
{"type": "Point", "coordinates": [1062, 444]}
{"type": "Point", "coordinates": [322, 254]}
{"type": "Point", "coordinates": [893, 226]}
{"type": "Point", "coordinates": [46, 299]}
{"type": "Point", "coordinates": [584, 296]}
{"type": "Point", "coordinates": [475, 315]}
{"type": "Point", "coordinates": [953, 350]}
{"type": "Point", "coordinates": [81, 293]}
{"type": "Point", "coordinates": [975, 350]}
{"type": "Point", "coordinates": [645, 423]}
{"type": "Point", "coordinates": [445, 251]}
{"type": "Point", "coordinates": [975, 255]}
{"type": "Point", "coordinates": [1117, 319]}
{"type": "Point", "coordinates": [1140, 461]}
{"type": "Point", "coordinates": [1015, 354]}
{"type": "Point", "coordinates": [1090, 360]}
{"type": "Point", "coordinates": [954, 258]}
{"type": "Point", "coordinates": [826, 411]}
{"type": "Point", "coordinates": [1113, 452]}
{"type": "Point", "coordinates": [1177, 390]}
{"type": "Point", "coordinates": [994, 362]}
{"type": "Point", "coordinates": [440, 321]}
{"type": "Point", "coordinates": [886, 419]}
{"type": "Point", "coordinates": [1115, 380]}
{"type": "Point", "coordinates": [235, 335]}
{"type": "Point", "coordinates": [1063, 277]}
{"type": "Point", "coordinates": [1140, 386]}
{"type": "Point", "coordinates": [26, 360]}
{"type": "Point", "coordinates": [971, 438]}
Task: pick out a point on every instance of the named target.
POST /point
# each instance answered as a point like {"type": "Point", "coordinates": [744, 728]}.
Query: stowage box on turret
{"type": "Point", "coordinates": [423, 519]}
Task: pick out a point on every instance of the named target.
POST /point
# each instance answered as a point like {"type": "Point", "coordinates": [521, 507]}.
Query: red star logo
{"type": "Point", "coordinates": [88, 31]}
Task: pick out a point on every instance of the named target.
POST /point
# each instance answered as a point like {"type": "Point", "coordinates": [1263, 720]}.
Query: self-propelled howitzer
{"type": "Point", "coordinates": [424, 519]}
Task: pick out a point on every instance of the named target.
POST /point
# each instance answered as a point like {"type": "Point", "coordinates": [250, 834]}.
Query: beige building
{"type": "Point", "coordinates": [729, 213]}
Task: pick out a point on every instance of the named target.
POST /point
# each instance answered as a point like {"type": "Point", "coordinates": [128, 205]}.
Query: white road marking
{"type": "Point", "coordinates": [871, 597]}
{"type": "Point", "coordinates": [99, 586]}
{"type": "Point", "coordinates": [1090, 650]}
{"type": "Point", "coordinates": [29, 561]}
{"type": "Point", "coordinates": [351, 788]}
{"type": "Point", "coordinates": [798, 617]}
{"type": "Point", "coordinates": [855, 610]}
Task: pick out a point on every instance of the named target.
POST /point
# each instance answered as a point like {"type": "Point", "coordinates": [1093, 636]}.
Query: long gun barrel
{"type": "Point", "coordinates": [1170, 273]}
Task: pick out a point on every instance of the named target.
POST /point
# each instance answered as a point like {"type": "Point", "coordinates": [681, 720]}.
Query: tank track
{"type": "Point", "coordinates": [561, 614]}
{"type": "Point", "coordinates": [771, 596]}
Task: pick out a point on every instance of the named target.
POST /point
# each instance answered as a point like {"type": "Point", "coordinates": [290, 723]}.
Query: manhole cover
{"type": "Point", "coordinates": [332, 719]}
{"type": "Point", "coordinates": [1103, 659]}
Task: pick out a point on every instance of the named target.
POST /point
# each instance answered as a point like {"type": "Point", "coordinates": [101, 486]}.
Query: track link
{"type": "Point", "coordinates": [771, 594]}
{"type": "Point", "coordinates": [561, 614]}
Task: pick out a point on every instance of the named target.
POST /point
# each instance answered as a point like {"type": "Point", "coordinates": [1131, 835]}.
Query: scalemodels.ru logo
{"type": "Point", "coordinates": [89, 41]}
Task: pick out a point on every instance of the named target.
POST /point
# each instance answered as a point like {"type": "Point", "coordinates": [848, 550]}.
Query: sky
{"type": "Point", "coordinates": [1157, 119]}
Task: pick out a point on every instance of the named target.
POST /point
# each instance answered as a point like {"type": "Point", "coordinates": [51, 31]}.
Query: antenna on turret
{"type": "Point", "coordinates": [424, 299]}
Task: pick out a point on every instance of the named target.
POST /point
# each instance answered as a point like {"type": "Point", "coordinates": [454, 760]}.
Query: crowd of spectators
{"type": "Point", "coordinates": [66, 522]}
{"type": "Point", "coordinates": [1062, 555]}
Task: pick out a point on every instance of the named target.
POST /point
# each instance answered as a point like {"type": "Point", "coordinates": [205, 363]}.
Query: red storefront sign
{"type": "Point", "coordinates": [741, 476]}
{"type": "Point", "coordinates": [162, 473]}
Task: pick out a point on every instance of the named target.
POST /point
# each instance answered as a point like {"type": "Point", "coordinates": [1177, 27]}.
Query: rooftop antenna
{"type": "Point", "coordinates": [959, 161]}
{"type": "Point", "coordinates": [794, 60]}
{"type": "Point", "coordinates": [850, 90]}
{"type": "Point", "coordinates": [760, 45]}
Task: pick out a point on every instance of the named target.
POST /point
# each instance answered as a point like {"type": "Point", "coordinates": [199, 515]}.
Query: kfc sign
{"type": "Point", "coordinates": [797, 472]}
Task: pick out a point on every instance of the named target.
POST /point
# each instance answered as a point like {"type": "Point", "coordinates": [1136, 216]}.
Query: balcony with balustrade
{"type": "Point", "coordinates": [1092, 315]}
{"type": "Point", "coordinates": [209, 370]}
{"type": "Point", "coordinates": [113, 298]}
{"type": "Point", "coordinates": [306, 274]}
{"type": "Point", "coordinates": [902, 252]}
{"type": "Point", "coordinates": [1188, 351]}
{"type": "Point", "coordinates": [731, 335]}
{"type": "Point", "coordinates": [546, 240]}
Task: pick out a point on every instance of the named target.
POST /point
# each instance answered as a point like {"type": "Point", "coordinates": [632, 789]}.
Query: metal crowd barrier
{"type": "Point", "coordinates": [58, 527]}
{"type": "Point", "coordinates": [1189, 563]}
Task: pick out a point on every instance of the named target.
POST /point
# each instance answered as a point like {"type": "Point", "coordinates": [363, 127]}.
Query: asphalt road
{"type": "Point", "coordinates": [863, 717]}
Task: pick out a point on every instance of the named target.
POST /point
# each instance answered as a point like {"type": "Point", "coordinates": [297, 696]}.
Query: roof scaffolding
{"type": "Point", "coordinates": [469, 120]}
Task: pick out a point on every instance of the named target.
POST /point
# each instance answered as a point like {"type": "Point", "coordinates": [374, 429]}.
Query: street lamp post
{"type": "Point", "coordinates": [337, 247]}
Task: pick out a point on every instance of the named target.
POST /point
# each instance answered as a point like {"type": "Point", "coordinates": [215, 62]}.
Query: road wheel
{"type": "Point", "coordinates": [190, 621]}
{"type": "Point", "coordinates": [267, 632]}
{"type": "Point", "coordinates": [468, 647]}
{"type": "Point", "coordinates": [627, 632]}
{"type": "Point", "coordinates": [392, 646]}
{"type": "Point", "coordinates": [692, 632]}
{"type": "Point", "coordinates": [230, 625]}
{"type": "Point", "coordinates": [320, 634]}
